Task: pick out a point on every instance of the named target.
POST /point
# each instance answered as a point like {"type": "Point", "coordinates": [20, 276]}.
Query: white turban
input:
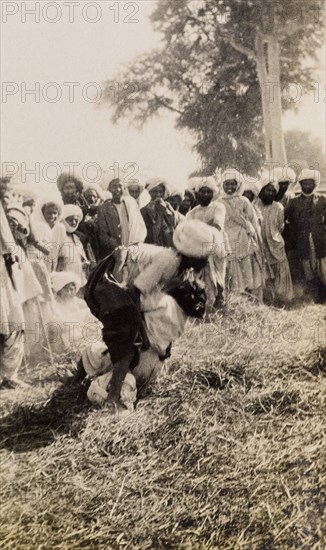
{"type": "Point", "coordinates": [192, 184]}
{"type": "Point", "coordinates": [18, 213]}
{"type": "Point", "coordinates": [307, 174]}
{"type": "Point", "coordinates": [284, 174]}
{"type": "Point", "coordinates": [207, 182]}
{"type": "Point", "coordinates": [232, 174]}
{"type": "Point", "coordinates": [134, 184]}
{"type": "Point", "coordinates": [268, 179]}
{"type": "Point", "coordinates": [155, 182]}
{"type": "Point", "coordinates": [72, 210]}
{"type": "Point", "coordinates": [177, 193]}
{"type": "Point", "coordinates": [95, 187]}
{"type": "Point", "coordinates": [60, 279]}
{"type": "Point", "coordinates": [197, 239]}
{"type": "Point", "coordinates": [252, 186]}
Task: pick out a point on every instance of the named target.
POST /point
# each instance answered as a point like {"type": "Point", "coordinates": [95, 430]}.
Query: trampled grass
{"type": "Point", "coordinates": [227, 452]}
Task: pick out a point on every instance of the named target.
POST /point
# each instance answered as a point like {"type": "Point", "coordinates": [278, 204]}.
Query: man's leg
{"type": "Point", "coordinates": [11, 358]}
{"type": "Point", "coordinates": [120, 370]}
{"type": "Point", "coordinates": [220, 298]}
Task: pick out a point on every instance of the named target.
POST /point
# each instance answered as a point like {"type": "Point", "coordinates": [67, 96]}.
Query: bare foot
{"type": "Point", "coordinates": [116, 408]}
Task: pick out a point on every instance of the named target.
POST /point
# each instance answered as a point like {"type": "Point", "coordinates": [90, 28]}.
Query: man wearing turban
{"type": "Point", "coordinates": [153, 275]}
{"type": "Point", "coordinates": [188, 202]}
{"type": "Point", "coordinates": [285, 178]}
{"type": "Point", "coordinates": [210, 210]}
{"type": "Point", "coordinates": [138, 192]}
{"type": "Point", "coordinates": [244, 268]}
{"type": "Point", "coordinates": [119, 221]}
{"type": "Point", "coordinates": [305, 218]}
{"type": "Point", "coordinates": [71, 189]}
{"type": "Point", "coordinates": [159, 216]}
{"type": "Point", "coordinates": [279, 288]}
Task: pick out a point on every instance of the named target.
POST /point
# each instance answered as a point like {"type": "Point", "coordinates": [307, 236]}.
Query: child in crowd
{"type": "Point", "coordinates": [72, 255]}
{"type": "Point", "coordinates": [47, 229]}
{"type": "Point", "coordinates": [72, 323]}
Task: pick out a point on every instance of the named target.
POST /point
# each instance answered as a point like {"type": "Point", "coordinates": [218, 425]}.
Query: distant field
{"type": "Point", "coordinates": [228, 452]}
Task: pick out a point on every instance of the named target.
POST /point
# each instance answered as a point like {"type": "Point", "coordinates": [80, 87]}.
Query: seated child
{"type": "Point", "coordinates": [73, 323]}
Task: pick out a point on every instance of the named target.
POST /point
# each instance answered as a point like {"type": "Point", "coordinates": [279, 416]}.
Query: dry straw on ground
{"type": "Point", "coordinates": [228, 452]}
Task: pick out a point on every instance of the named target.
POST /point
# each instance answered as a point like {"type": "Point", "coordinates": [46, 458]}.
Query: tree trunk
{"type": "Point", "coordinates": [268, 67]}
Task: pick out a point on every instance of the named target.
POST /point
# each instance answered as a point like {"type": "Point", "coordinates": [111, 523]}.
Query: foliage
{"type": "Point", "coordinates": [205, 72]}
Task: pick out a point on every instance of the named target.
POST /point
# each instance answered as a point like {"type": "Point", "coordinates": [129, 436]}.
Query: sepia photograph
{"type": "Point", "coordinates": [163, 275]}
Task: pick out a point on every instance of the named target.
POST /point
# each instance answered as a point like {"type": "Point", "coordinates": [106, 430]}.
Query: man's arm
{"type": "Point", "coordinates": [219, 215]}
{"type": "Point", "coordinates": [162, 268]}
{"type": "Point", "coordinates": [107, 242]}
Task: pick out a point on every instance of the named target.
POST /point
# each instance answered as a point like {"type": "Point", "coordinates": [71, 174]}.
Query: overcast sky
{"type": "Point", "coordinates": [84, 52]}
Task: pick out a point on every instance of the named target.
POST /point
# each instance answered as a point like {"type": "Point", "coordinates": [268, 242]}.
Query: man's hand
{"type": "Point", "coordinates": [161, 205]}
{"type": "Point", "coordinates": [120, 255]}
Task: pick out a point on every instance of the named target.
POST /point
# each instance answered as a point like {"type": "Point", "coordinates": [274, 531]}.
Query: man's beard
{"type": "Point", "coordinates": [205, 202]}
{"type": "Point", "coordinates": [268, 201]}
{"type": "Point", "coordinates": [71, 198]}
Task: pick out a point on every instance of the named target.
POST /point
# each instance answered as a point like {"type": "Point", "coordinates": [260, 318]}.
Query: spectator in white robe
{"type": "Point", "coordinates": [211, 211]}
{"type": "Point", "coordinates": [279, 289]}
{"type": "Point", "coordinates": [31, 291]}
{"type": "Point", "coordinates": [286, 178]}
{"type": "Point", "coordinates": [251, 190]}
{"type": "Point", "coordinates": [245, 272]}
{"type": "Point", "coordinates": [138, 192]}
{"type": "Point", "coordinates": [72, 255]}
{"type": "Point", "coordinates": [175, 198]}
{"type": "Point", "coordinates": [11, 310]}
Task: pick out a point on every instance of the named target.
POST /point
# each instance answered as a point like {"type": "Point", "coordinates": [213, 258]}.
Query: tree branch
{"type": "Point", "coordinates": [242, 49]}
{"type": "Point", "coordinates": [164, 104]}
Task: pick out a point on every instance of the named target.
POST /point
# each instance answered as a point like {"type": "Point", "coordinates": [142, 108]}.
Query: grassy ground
{"type": "Point", "coordinates": [228, 452]}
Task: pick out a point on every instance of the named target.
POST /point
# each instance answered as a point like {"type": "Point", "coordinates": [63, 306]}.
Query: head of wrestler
{"type": "Point", "coordinates": [196, 241]}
